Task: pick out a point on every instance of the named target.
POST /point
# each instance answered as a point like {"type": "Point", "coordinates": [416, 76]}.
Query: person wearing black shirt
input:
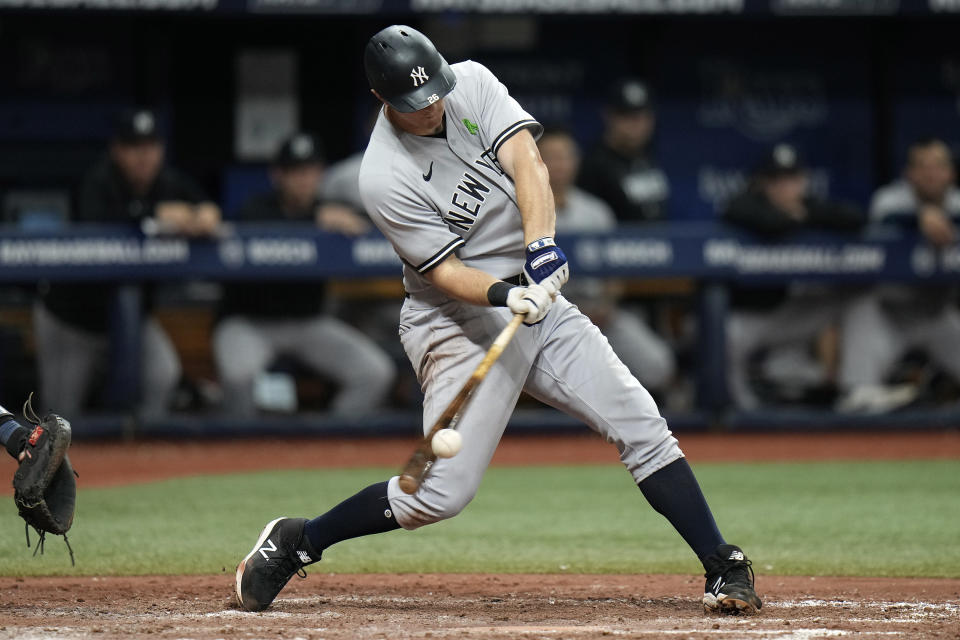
{"type": "Point", "coordinates": [262, 321]}
{"type": "Point", "coordinates": [620, 170]}
{"type": "Point", "coordinates": [130, 186]}
{"type": "Point", "coordinates": [775, 204]}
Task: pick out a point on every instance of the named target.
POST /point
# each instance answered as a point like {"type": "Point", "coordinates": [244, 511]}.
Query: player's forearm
{"type": "Point", "coordinates": [520, 158]}
{"type": "Point", "coordinates": [206, 218]}
{"type": "Point", "coordinates": [174, 216]}
{"type": "Point", "coordinates": [459, 281]}
{"type": "Point", "coordinates": [188, 218]}
{"type": "Point", "coordinates": [535, 200]}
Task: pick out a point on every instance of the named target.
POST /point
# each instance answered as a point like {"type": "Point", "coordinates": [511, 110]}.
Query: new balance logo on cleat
{"type": "Point", "coordinates": [729, 585]}
{"type": "Point", "coordinates": [270, 546]}
{"type": "Point", "coordinates": [278, 555]}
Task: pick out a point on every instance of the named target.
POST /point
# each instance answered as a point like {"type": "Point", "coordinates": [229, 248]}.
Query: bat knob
{"type": "Point", "coordinates": [409, 484]}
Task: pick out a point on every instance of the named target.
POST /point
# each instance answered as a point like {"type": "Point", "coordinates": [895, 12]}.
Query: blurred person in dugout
{"type": "Point", "coordinates": [261, 321]}
{"type": "Point", "coordinates": [132, 186]}
{"type": "Point", "coordinates": [891, 320]}
{"type": "Point", "coordinates": [791, 329]}
{"type": "Point", "coordinates": [375, 310]}
{"type": "Point", "coordinates": [645, 353]}
{"type": "Point", "coordinates": [341, 181]}
{"type": "Point", "coordinates": [620, 169]}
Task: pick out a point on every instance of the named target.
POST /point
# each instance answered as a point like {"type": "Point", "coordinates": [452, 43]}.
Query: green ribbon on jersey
{"type": "Point", "coordinates": [471, 127]}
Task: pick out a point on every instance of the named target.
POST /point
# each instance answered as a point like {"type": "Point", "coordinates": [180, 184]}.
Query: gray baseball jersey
{"type": "Point", "coordinates": [434, 196]}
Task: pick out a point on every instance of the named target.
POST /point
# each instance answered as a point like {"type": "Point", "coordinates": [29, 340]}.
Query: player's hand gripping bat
{"type": "Point", "coordinates": [423, 457]}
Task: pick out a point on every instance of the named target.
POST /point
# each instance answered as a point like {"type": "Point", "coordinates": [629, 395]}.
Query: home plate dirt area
{"type": "Point", "coordinates": [474, 606]}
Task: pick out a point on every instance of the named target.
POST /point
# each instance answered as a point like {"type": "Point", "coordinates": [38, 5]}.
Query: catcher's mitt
{"type": "Point", "coordinates": [45, 487]}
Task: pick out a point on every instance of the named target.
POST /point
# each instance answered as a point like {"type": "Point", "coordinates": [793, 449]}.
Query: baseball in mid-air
{"type": "Point", "coordinates": [446, 443]}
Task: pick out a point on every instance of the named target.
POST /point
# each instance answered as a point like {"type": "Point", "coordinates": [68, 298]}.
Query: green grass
{"type": "Point", "coordinates": [869, 518]}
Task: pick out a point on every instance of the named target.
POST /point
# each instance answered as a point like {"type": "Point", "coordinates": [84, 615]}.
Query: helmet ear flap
{"type": "Point", "coordinates": [405, 69]}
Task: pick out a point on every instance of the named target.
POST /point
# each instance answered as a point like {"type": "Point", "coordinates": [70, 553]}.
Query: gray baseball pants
{"type": "Point", "coordinates": [876, 336]}
{"type": "Point", "coordinates": [243, 347]}
{"type": "Point", "coordinates": [71, 358]}
{"type": "Point", "coordinates": [564, 361]}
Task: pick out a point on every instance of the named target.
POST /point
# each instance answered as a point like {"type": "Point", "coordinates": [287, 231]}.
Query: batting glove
{"type": "Point", "coordinates": [546, 265]}
{"type": "Point", "coordinates": [533, 301]}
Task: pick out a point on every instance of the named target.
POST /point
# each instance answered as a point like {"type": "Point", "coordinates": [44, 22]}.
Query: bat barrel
{"type": "Point", "coordinates": [409, 484]}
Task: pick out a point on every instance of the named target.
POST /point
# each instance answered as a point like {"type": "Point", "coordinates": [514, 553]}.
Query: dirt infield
{"type": "Point", "coordinates": [474, 606]}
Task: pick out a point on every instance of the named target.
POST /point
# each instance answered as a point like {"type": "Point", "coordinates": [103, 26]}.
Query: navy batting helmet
{"type": "Point", "coordinates": [406, 70]}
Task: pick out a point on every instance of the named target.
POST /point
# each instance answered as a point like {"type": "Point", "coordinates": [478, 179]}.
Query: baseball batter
{"type": "Point", "coordinates": [453, 178]}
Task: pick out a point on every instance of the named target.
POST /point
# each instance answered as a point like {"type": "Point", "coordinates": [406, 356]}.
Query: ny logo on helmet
{"type": "Point", "coordinates": [419, 76]}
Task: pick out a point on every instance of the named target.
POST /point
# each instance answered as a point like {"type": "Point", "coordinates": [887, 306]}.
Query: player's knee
{"type": "Point", "coordinates": [453, 505]}
{"type": "Point", "coordinates": [238, 378]}
{"type": "Point", "coordinates": [380, 379]}
{"type": "Point", "coordinates": [375, 370]}
{"type": "Point", "coordinates": [660, 369]}
{"type": "Point", "coordinates": [235, 368]}
{"type": "Point", "coordinates": [162, 372]}
{"type": "Point", "coordinates": [368, 384]}
{"type": "Point", "coordinates": [432, 506]}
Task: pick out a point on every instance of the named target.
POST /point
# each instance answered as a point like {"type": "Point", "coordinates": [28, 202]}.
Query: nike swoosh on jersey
{"type": "Point", "coordinates": [429, 173]}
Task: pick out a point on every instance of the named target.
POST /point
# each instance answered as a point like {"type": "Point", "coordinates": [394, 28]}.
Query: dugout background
{"type": "Point", "coordinates": [849, 92]}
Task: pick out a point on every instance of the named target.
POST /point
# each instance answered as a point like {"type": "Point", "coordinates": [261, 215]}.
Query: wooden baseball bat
{"type": "Point", "coordinates": [423, 456]}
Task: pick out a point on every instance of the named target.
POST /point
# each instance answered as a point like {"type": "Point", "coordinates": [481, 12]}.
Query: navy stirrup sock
{"type": "Point", "coordinates": [674, 493]}
{"type": "Point", "coordinates": [365, 513]}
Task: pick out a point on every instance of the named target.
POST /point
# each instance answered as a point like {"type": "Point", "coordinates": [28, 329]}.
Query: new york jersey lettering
{"type": "Point", "coordinates": [437, 197]}
{"type": "Point", "coordinates": [466, 200]}
{"type": "Point", "coordinates": [488, 160]}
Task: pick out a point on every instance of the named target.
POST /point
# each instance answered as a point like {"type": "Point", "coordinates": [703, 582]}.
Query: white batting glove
{"type": "Point", "coordinates": [533, 301]}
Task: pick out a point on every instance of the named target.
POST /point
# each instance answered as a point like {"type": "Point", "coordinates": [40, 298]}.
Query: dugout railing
{"type": "Point", "coordinates": [710, 255]}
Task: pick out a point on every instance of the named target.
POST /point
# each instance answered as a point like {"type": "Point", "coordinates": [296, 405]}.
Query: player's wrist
{"type": "Point", "coordinates": [498, 293]}
{"type": "Point", "coordinates": [541, 243]}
